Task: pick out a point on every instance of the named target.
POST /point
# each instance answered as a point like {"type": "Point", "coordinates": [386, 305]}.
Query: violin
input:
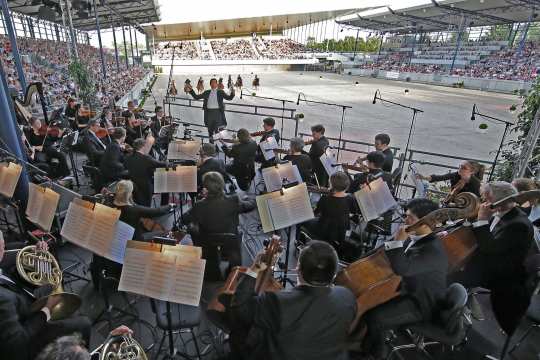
{"type": "Point", "coordinates": [455, 190]}
{"type": "Point", "coordinates": [258, 133]}
{"type": "Point", "coordinates": [319, 190]}
{"type": "Point", "coordinates": [309, 142]}
{"type": "Point", "coordinates": [359, 167]}
{"type": "Point", "coordinates": [103, 133]}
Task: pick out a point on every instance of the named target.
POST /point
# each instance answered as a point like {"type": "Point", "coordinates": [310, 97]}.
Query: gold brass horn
{"type": "Point", "coordinates": [122, 347]}
{"type": "Point", "coordinates": [39, 268]}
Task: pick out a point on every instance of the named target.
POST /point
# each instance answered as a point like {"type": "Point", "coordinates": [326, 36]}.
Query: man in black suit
{"type": "Point", "coordinates": [318, 147]}
{"type": "Point", "coordinates": [374, 162]}
{"type": "Point", "coordinates": [94, 147]}
{"type": "Point", "coordinates": [504, 237]}
{"type": "Point", "coordinates": [382, 144]}
{"type": "Point", "coordinates": [269, 132]}
{"type": "Point", "coordinates": [208, 162]}
{"type": "Point", "coordinates": [311, 321]}
{"type": "Point", "coordinates": [421, 261]}
{"type": "Point", "coordinates": [141, 168]}
{"type": "Point", "coordinates": [243, 155]}
{"type": "Point", "coordinates": [112, 161]}
{"type": "Point", "coordinates": [155, 124]}
{"type": "Point", "coordinates": [23, 333]}
{"type": "Point", "coordinates": [217, 214]}
{"type": "Point", "coordinates": [214, 109]}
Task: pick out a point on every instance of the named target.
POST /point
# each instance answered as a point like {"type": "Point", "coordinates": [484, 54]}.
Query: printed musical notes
{"type": "Point", "coordinates": [183, 150]}
{"type": "Point", "coordinates": [225, 135]}
{"type": "Point", "coordinates": [328, 160]}
{"type": "Point", "coordinates": [375, 199]}
{"type": "Point", "coordinates": [96, 227]}
{"type": "Point", "coordinates": [284, 208]}
{"type": "Point", "coordinates": [163, 272]}
{"type": "Point", "coordinates": [281, 175]}
{"type": "Point", "coordinates": [41, 207]}
{"type": "Point", "coordinates": [267, 147]}
{"type": "Point", "coordinates": [179, 179]}
{"type": "Point", "coordinates": [9, 177]}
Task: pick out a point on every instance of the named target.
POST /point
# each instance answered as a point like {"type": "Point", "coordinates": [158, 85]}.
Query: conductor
{"type": "Point", "coordinates": [214, 109]}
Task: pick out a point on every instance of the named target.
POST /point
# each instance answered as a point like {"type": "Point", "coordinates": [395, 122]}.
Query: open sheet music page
{"type": "Point", "coordinates": [179, 179]}
{"type": "Point", "coordinates": [183, 150]}
{"type": "Point", "coordinates": [276, 177]}
{"type": "Point", "coordinates": [267, 148]}
{"type": "Point", "coordinates": [41, 207]}
{"type": "Point", "coordinates": [421, 185]}
{"type": "Point", "coordinates": [9, 177]}
{"type": "Point", "coordinates": [328, 159]}
{"type": "Point", "coordinates": [162, 273]}
{"type": "Point", "coordinates": [279, 211]}
{"type": "Point", "coordinates": [226, 135]}
{"type": "Point", "coordinates": [375, 199]}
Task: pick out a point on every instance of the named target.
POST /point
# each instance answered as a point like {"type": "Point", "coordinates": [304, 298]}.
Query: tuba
{"type": "Point", "coordinates": [122, 347]}
{"type": "Point", "coordinates": [39, 268]}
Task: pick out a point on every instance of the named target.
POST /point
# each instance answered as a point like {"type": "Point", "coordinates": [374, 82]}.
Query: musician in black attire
{"type": "Point", "coordinates": [208, 162]}
{"type": "Point", "coordinates": [318, 147]}
{"type": "Point", "coordinates": [298, 157]}
{"type": "Point", "coordinates": [214, 109]}
{"type": "Point", "coordinates": [112, 161]}
{"type": "Point", "coordinates": [243, 155]}
{"type": "Point", "coordinates": [72, 112]}
{"type": "Point", "coordinates": [422, 262]}
{"type": "Point", "coordinates": [333, 211]}
{"type": "Point", "coordinates": [24, 332]}
{"type": "Point", "coordinates": [217, 214]}
{"type": "Point", "coordinates": [504, 236]}
{"type": "Point", "coordinates": [93, 146]}
{"type": "Point", "coordinates": [134, 129]}
{"type": "Point", "coordinates": [45, 148]}
{"type": "Point", "coordinates": [141, 167]}
{"type": "Point", "coordinates": [269, 132]}
{"type": "Point", "coordinates": [310, 321]}
{"type": "Point", "coordinates": [469, 171]}
{"type": "Point", "coordinates": [382, 144]}
{"type": "Point", "coordinates": [374, 162]}
{"type": "Point", "coordinates": [155, 125]}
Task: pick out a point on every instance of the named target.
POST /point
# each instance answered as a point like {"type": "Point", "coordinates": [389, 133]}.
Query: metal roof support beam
{"type": "Point", "coordinates": [115, 49]}
{"type": "Point", "coordinates": [125, 46]}
{"type": "Point", "coordinates": [103, 69]}
{"type": "Point", "coordinates": [458, 42]}
{"type": "Point", "coordinates": [10, 30]}
{"type": "Point", "coordinates": [475, 14]}
{"type": "Point", "coordinates": [524, 36]}
{"type": "Point", "coordinates": [418, 19]}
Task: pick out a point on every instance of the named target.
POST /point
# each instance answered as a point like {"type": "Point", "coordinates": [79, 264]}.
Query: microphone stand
{"type": "Point", "coordinates": [411, 127]}
{"type": "Point", "coordinates": [343, 108]}
{"type": "Point", "coordinates": [170, 78]}
{"type": "Point", "coordinates": [506, 127]}
{"type": "Point", "coordinates": [283, 101]}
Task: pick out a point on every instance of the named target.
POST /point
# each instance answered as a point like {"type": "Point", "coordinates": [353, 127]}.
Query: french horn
{"type": "Point", "coordinates": [122, 347]}
{"type": "Point", "coordinates": [39, 268]}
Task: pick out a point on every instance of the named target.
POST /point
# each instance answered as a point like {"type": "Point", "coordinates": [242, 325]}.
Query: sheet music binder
{"type": "Point", "coordinates": [42, 205]}
{"type": "Point", "coordinates": [375, 199]}
{"type": "Point", "coordinates": [9, 177]}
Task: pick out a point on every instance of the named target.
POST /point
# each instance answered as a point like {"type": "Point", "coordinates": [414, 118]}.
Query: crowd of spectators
{"type": "Point", "coordinates": [183, 50]}
{"type": "Point", "coordinates": [47, 61]}
{"type": "Point", "coordinates": [233, 49]}
{"type": "Point", "coordinates": [279, 48]}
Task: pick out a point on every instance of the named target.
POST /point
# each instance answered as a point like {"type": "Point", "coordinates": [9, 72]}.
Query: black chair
{"type": "Point", "coordinates": [184, 318]}
{"type": "Point", "coordinates": [215, 248]}
{"type": "Point", "coordinates": [449, 332]}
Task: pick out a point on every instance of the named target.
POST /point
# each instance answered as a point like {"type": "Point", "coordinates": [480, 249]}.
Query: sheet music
{"type": "Point", "coordinates": [275, 177]}
{"type": "Point", "coordinates": [421, 185]}
{"type": "Point", "coordinates": [267, 148]}
{"type": "Point", "coordinates": [114, 250]}
{"type": "Point", "coordinates": [375, 199]}
{"type": "Point", "coordinates": [225, 135]}
{"type": "Point", "coordinates": [183, 150]}
{"type": "Point", "coordinates": [42, 204]}
{"type": "Point", "coordinates": [9, 177]}
{"type": "Point", "coordinates": [175, 276]}
{"type": "Point", "coordinates": [328, 160]}
{"type": "Point", "coordinates": [279, 211]}
{"type": "Point", "coordinates": [180, 179]}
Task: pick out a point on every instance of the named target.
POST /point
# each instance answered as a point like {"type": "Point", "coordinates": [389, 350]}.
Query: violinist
{"type": "Point", "coordinates": [318, 147]}
{"type": "Point", "coordinates": [333, 211]}
{"type": "Point", "coordinates": [422, 262]}
{"type": "Point", "coordinates": [268, 132]}
{"type": "Point", "coordinates": [43, 143]}
{"type": "Point", "coordinates": [93, 145]}
{"type": "Point", "coordinates": [463, 180]}
{"type": "Point", "coordinates": [208, 162]}
{"type": "Point", "coordinates": [72, 109]}
{"type": "Point", "coordinates": [374, 162]}
{"type": "Point", "coordinates": [243, 155]}
{"type": "Point", "coordinates": [134, 128]}
{"type": "Point", "coordinates": [309, 321]}
{"type": "Point", "coordinates": [299, 158]}
{"type": "Point", "coordinates": [112, 161]}
{"type": "Point", "coordinates": [107, 119]}
{"type": "Point", "coordinates": [156, 121]}
{"type": "Point", "coordinates": [382, 144]}
{"type": "Point", "coordinates": [141, 168]}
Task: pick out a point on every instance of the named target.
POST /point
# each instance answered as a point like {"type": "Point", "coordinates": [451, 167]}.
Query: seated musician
{"type": "Point", "coordinates": [132, 109]}
{"type": "Point", "coordinates": [133, 127]}
{"type": "Point", "coordinates": [333, 212]}
{"type": "Point", "coordinates": [531, 208]}
{"type": "Point", "coordinates": [208, 162]}
{"type": "Point", "coordinates": [94, 146]}
{"type": "Point", "coordinates": [217, 213]}
{"type": "Point", "coordinates": [107, 119]}
{"type": "Point", "coordinates": [268, 132]}
{"type": "Point", "coordinates": [23, 333]}
{"type": "Point", "coordinates": [504, 237]}
{"type": "Point", "coordinates": [112, 162]}
{"type": "Point", "coordinates": [463, 180]}
{"type": "Point", "coordinates": [374, 162]}
{"type": "Point", "coordinates": [45, 144]}
{"type": "Point", "coordinates": [382, 144]}
{"type": "Point", "coordinates": [318, 147]}
{"type": "Point", "coordinates": [141, 167]}
{"type": "Point", "coordinates": [155, 125]}
{"type": "Point", "coordinates": [243, 155]}
{"type": "Point", "coordinates": [311, 321]}
{"type": "Point", "coordinates": [302, 160]}
{"type": "Point", "coordinates": [71, 112]}
{"type": "Point", "coordinates": [422, 263]}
